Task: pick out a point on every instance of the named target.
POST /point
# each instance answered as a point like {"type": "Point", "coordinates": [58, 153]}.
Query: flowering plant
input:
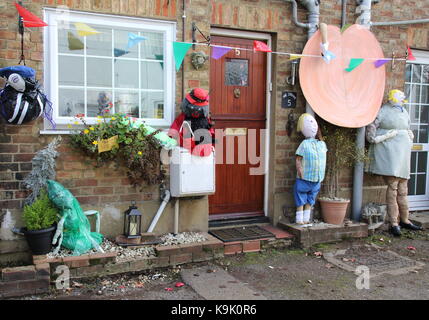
{"type": "Point", "coordinates": [134, 148]}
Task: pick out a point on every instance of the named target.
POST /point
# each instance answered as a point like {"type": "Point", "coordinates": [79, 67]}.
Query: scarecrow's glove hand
{"type": "Point", "coordinates": [411, 135]}
{"type": "Point", "coordinates": [388, 135]}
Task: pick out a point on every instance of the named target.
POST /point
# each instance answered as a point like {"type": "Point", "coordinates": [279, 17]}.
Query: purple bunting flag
{"type": "Point", "coordinates": [219, 52]}
{"type": "Point", "coordinates": [380, 62]}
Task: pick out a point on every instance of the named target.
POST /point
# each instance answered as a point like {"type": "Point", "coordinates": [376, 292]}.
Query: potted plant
{"type": "Point", "coordinates": [342, 154]}
{"type": "Point", "coordinates": [40, 219]}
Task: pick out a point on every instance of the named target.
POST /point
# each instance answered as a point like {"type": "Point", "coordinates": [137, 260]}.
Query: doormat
{"type": "Point", "coordinates": [378, 260]}
{"type": "Point", "coordinates": [241, 233]}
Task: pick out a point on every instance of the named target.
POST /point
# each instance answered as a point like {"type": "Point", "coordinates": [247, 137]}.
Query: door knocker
{"type": "Point", "coordinates": [237, 93]}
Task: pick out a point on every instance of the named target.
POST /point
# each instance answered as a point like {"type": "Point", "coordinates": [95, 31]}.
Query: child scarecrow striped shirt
{"type": "Point", "coordinates": [313, 153]}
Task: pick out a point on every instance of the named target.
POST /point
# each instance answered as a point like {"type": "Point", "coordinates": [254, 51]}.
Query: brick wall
{"type": "Point", "coordinates": [96, 187]}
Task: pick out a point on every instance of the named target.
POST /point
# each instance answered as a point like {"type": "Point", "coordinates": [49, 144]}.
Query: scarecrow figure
{"type": "Point", "coordinates": [390, 153]}
{"type": "Point", "coordinates": [193, 127]}
{"type": "Point", "coordinates": [310, 165]}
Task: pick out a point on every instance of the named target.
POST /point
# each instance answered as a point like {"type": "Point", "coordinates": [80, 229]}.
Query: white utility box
{"type": "Point", "coordinates": [191, 175]}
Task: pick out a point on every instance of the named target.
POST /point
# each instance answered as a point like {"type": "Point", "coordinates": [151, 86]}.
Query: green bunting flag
{"type": "Point", "coordinates": [180, 49]}
{"type": "Point", "coordinates": [353, 64]}
{"type": "Point", "coordinates": [74, 42]}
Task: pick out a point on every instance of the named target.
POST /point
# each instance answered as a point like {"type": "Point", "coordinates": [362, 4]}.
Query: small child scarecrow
{"type": "Point", "coordinates": [310, 165]}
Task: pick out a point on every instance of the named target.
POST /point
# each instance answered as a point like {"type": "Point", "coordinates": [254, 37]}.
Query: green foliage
{"type": "Point", "coordinates": [137, 151]}
{"type": "Point", "coordinates": [342, 154]}
{"type": "Point", "coordinates": [41, 214]}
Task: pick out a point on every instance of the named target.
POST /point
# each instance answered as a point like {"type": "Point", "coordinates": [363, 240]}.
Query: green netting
{"type": "Point", "coordinates": [77, 235]}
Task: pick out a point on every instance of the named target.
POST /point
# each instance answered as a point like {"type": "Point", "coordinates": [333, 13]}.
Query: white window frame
{"type": "Point", "coordinates": [420, 202]}
{"type": "Point", "coordinates": [51, 81]}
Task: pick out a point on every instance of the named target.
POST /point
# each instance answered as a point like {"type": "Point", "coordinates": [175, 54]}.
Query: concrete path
{"type": "Point", "coordinates": [214, 283]}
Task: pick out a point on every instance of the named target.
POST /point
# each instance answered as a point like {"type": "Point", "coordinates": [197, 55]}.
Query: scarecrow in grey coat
{"type": "Point", "coordinates": [390, 153]}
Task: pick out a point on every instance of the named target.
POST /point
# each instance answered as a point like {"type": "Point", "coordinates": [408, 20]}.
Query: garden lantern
{"type": "Point", "coordinates": [132, 222]}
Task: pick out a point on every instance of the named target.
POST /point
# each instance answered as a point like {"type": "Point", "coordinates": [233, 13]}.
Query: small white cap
{"type": "Point", "coordinates": [16, 82]}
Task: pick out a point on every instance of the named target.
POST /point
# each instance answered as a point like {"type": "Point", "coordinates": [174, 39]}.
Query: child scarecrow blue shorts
{"type": "Point", "coordinates": [305, 192]}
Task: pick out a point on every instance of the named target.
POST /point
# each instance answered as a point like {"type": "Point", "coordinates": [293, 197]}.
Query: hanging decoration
{"type": "Point", "coordinates": [354, 63]}
{"type": "Point", "coordinates": [294, 57]}
{"type": "Point", "coordinates": [84, 30]}
{"type": "Point", "coordinates": [134, 39]}
{"type": "Point", "coordinates": [119, 52]}
{"type": "Point", "coordinates": [30, 20]}
{"type": "Point", "coordinates": [260, 46]}
{"type": "Point", "coordinates": [74, 42]}
{"type": "Point", "coordinates": [378, 63]}
{"type": "Point", "coordinates": [410, 55]}
{"type": "Point", "coordinates": [218, 52]}
{"type": "Point", "coordinates": [180, 49]}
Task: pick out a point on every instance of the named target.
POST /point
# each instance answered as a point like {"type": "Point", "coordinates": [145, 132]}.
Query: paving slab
{"type": "Point", "coordinates": [214, 283]}
{"type": "Point", "coordinates": [420, 219]}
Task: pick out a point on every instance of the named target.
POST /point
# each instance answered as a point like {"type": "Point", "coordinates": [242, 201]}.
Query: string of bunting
{"type": "Point", "coordinates": [180, 49]}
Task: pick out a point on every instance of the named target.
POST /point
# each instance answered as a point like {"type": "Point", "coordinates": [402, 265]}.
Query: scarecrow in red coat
{"type": "Point", "coordinates": [193, 127]}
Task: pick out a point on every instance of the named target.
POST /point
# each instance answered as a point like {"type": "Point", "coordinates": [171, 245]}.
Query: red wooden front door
{"type": "Point", "coordinates": [237, 105]}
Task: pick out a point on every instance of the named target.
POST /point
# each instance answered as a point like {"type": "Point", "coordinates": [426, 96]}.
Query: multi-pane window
{"type": "Point", "coordinates": [86, 73]}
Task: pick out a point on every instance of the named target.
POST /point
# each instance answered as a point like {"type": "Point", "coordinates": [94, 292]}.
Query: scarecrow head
{"type": "Point", "coordinates": [307, 125]}
{"type": "Point", "coordinates": [397, 97]}
{"type": "Point", "coordinates": [196, 104]}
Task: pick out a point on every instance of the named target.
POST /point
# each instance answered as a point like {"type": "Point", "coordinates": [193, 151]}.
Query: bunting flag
{"type": "Point", "coordinates": [219, 52]}
{"type": "Point", "coordinates": [74, 42]}
{"type": "Point", "coordinates": [84, 30]}
{"type": "Point", "coordinates": [133, 39]}
{"type": "Point", "coordinates": [380, 62]}
{"type": "Point", "coordinates": [260, 46]}
{"type": "Point", "coordinates": [30, 20]}
{"type": "Point", "coordinates": [328, 56]}
{"type": "Point", "coordinates": [180, 49]}
{"type": "Point", "coordinates": [410, 54]}
{"type": "Point", "coordinates": [294, 57]}
{"type": "Point", "coordinates": [355, 62]}
{"type": "Point", "coordinates": [119, 52]}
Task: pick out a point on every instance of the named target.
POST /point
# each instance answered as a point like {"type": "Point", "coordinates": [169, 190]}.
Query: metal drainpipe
{"type": "Point", "coordinates": [183, 40]}
{"type": "Point", "coordinates": [357, 194]}
{"type": "Point", "coordinates": [312, 7]}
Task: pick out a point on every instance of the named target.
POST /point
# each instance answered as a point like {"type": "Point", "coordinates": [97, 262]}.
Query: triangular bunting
{"type": "Point", "coordinates": [219, 52]}
{"type": "Point", "coordinates": [260, 46]}
{"type": "Point", "coordinates": [380, 62]}
{"type": "Point", "coordinates": [133, 39]}
{"type": "Point", "coordinates": [74, 42]}
{"type": "Point", "coordinates": [84, 30]}
{"type": "Point", "coordinates": [30, 20]}
{"type": "Point", "coordinates": [410, 56]}
{"type": "Point", "coordinates": [180, 49]}
{"type": "Point", "coordinates": [355, 62]}
{"type": "Point", "coordinates": [119, 52]}
{"type": "Point", "coordinates": [294, 57]}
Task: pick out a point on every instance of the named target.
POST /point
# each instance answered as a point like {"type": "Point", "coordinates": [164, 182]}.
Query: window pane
{"type": "Point", "coordinates": [121, 43]}
{"type": "Point", "coordinates": [416, 78]}
{"type": "Point", "coordinates": [152, 75]}
{"type": "Point", "coordinates": [153, 46]}
{"type": "Point", "coordinates": [70, 42]}
{"type": "Point", "coordinates": [425, 94]}
{"type": "Point", "coordinates": [424, 134]}
{"type": "Point", "coordinates": [71, 71]}
{"type": "Point", "coordinates": [127, 102]}
{"type": "Point", "coordinates": [414, 93]}
{"type": "Point", "coordinates": [236, 72]}
{"type": "Point", "coordinates": [153, 105]}
{"type": "Point", "coordinates": [413, 161]}
{"type": "Point", "coordinates": [408, 72]}
{"type": "Point", "coordinates": [99, 72]}
{"type": "Point", "coordinates": [425, 76]}
{"type": "Point", "coordinates": [415, 132]}
{"type": "Point", "coordinates": [72, 102]}
{"type": "Point", "coordinates": [412, 185]}
{"type": "Point", "coordinates": [414, 113]}
{"type": "Point", "coordinates": [99, 44]}
{"type": "Point", "coordinates": [422, 163]}
{"type": "Point", "coordinates": [421, 184]}
{"type": "Point", "coordinates": [424, 113]}
{"type": "Point", "coordinates": [98, 101]}
{"type": "Point", "coordinates": [126, 74]}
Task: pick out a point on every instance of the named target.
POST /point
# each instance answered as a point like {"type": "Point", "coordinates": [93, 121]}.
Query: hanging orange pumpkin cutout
{"type": "Point", "coordinates": [347, 99]}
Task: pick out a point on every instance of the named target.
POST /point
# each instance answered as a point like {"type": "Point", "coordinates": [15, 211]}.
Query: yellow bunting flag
{"type": "Point", "coordinates": [84, 30]}
{"type": "Point", "coordinates": [294, 57]}
{"type": "Point", "coordinates": [107, 144]}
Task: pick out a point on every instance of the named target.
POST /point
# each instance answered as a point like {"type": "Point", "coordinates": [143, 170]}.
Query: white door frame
{"type": "Point", "coordinates": [420, 202]}
{"type": "Point", "coordinates": [267, 37]}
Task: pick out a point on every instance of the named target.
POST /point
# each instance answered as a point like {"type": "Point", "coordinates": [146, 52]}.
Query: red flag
{"type": "Point", "coordinates": [29, 19]}
{"type": "Point", "coordinates": [260, 46]}
{"type": "Point", "coordinates": [410, 54]}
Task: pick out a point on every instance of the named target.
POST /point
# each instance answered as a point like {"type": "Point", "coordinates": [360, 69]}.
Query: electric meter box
{"type": "Point", "coordinates": [191, 175]}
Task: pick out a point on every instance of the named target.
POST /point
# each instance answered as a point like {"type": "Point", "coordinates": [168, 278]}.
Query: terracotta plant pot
{"type": "Point", "coordinates": [333, 211]}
